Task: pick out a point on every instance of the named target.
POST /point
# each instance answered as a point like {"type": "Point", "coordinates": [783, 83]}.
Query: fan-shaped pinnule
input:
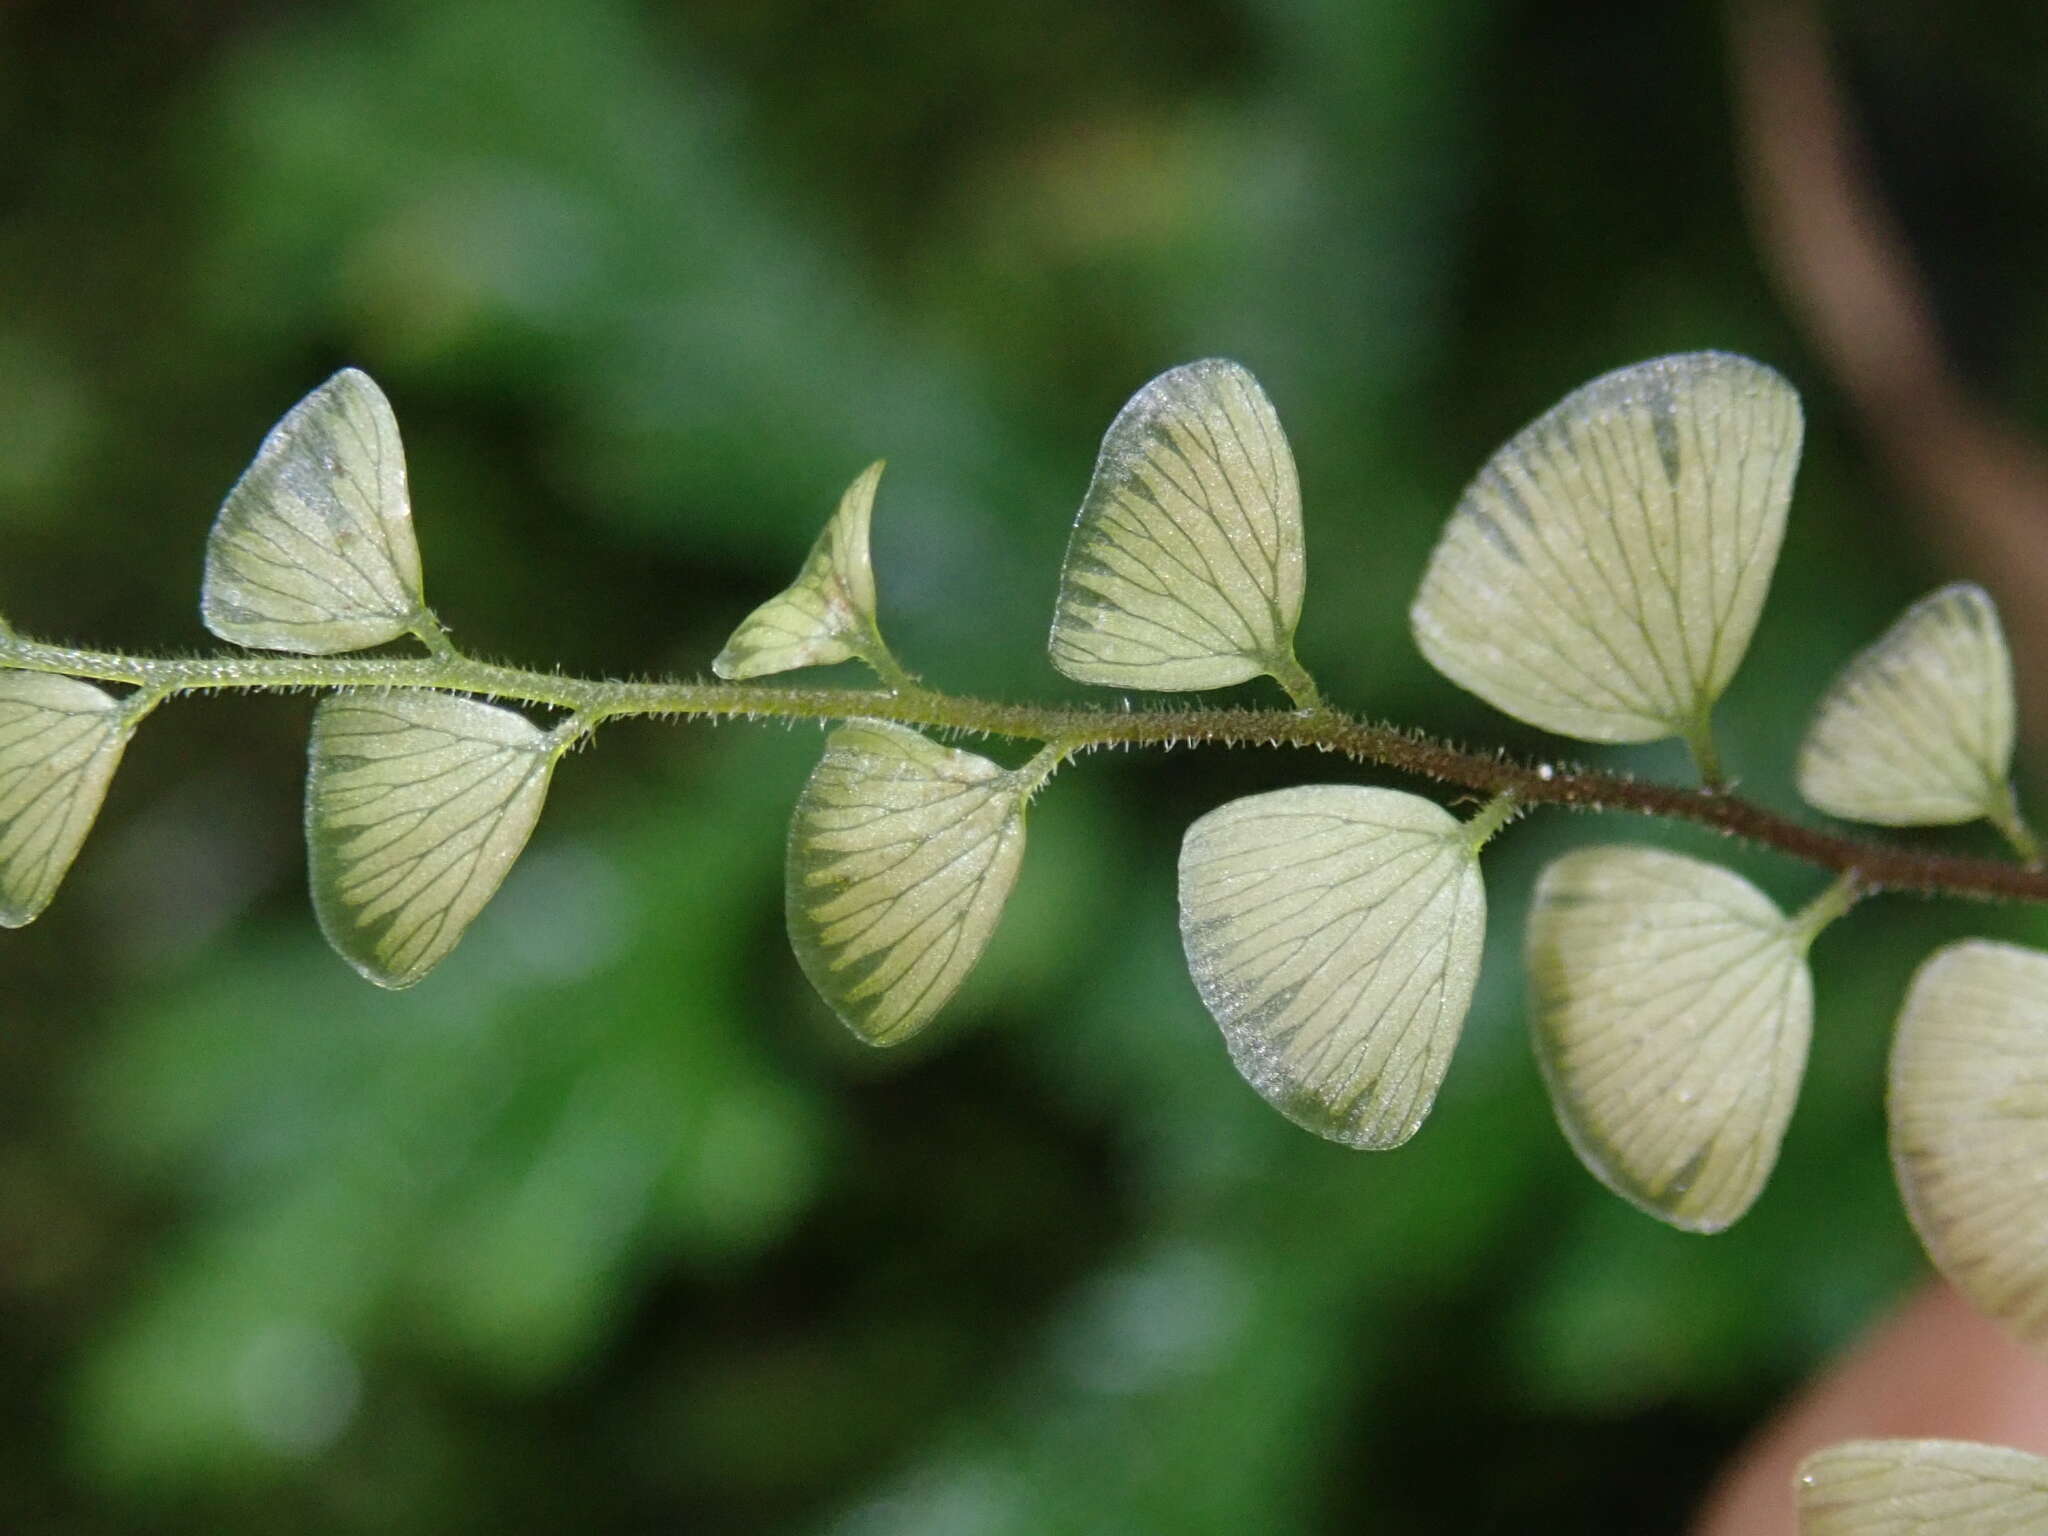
{"type": "Point", "coordinates": [901, 855]}
{"type": "Point", "coordinates": [827, 614]}
{"type": "Point", "coordinates": [417, 804]}
{"type": "Point", "coordinates": [1334, 932]}
{"type": "Point", "coordinates": [1918, 729]}
{"type": "Point", "coordinates": [313, 550]}
{"type": "Point", "coordinates": [1602, 575]}
{"type": "Point", "coordinates": [1671, 1006]}
{"type": "Point", "coordinates": [60, 742]}
{"type": "Point", "coordinates": [1185, 568]}
{"type": "Point", "coordinates": [1922, 1488]}
{"type": "Point", "coordinates": [1968, 1107]}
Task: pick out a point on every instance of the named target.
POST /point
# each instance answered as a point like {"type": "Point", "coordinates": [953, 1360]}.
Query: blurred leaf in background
{"type": "Point", "coordinates": [609, 1225]}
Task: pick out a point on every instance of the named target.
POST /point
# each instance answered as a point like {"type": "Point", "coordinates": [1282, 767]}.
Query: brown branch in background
{"type": "Point", "coordinates": [1980, 484]}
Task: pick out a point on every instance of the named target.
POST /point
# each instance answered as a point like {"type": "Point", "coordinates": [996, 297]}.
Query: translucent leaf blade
{"type": "Point", "coordinates": [417, 804]}
{"type": "Point", "coordinates": [827, 614]}
{"type": "Point", "coordinates": [313, 550]}
{"type": "Point", "coordinates": [1671, 1006]}
{"type": "Point", "coordinates": [1922, 1488]}
{"type": "Point", "coordinates": [1918, 729]}
{"type": "Point", "coordinates": [901, 855]}
{"type": "Point", "coordinates": [1185, 567]}
{"type": "Point", "coordinates": [1969, 1124]}
{"type": "Point", "coordinates": [60, 742]}
{"type": "Point", "coordinates": [1602, 575]}
{"type": "Point", "coordinates": [1334, 933]}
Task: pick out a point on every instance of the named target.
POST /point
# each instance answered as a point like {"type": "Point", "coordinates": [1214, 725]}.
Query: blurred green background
{"type": "Point", "coordinates": [609, 1226]}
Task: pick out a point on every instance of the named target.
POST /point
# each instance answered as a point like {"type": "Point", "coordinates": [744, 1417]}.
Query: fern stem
{"type": "Point", "coordinates": [1491, 817]}
{"type": "Point", "coordinates": [1073, 728]}
{"type": "Point", "coordinates": [1706, 754]}
{"type": "Point", "coordinates": [2005, 815]}
{"type": "Point", "coordinates": [1292, 676]}
{"type": "Point", "coordinates": [1834, 902]}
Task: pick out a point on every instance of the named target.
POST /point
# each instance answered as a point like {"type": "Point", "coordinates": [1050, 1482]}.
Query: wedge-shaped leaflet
{"type": "Point", "coordinates": [1185, 566]}
{"type": "Point", "coordinates": [313, 550]}
{"type": "Point", "coordinates": [1602, 575]}
{"type": "Point", "coordinates": [1922, 1488]}
{"type": "Point", "coordinates": [1671, 1007]}
{"type": "Point", "coordinates": [1334, 932]}
{"type": "Point", "coordinates": [1917, 730]}
{"type": "Point", "coordinates": [416, 805]}
{"type": "Point", "coordinates": [828, 613]}
{"type": "Point", "coordinates": [60, 742]}
{"type": "Point", "coordinates": [1969, 1124]}
{"type": "Point", "coordinates": [901, 855]}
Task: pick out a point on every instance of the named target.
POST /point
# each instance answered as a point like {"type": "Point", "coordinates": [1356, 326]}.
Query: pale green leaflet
{"type": "Point", "coordinates": [60, 742]}
{"type": "Point", "coordinates": [1918, 729]}
{"type": "Point", "coordinates": [1185, 568]}
{"type": "Point", "coordinates": [901, 855]}
{"type": "Point", "coordinates": [1602, 575]}
{"type": "Point", "coordinates": [1334, 932]}
{"type": "Point", "coordinates": [313, 550]}
{"type": "Point", "coordinates": [1922, 1488]}
{"type": "Point", "coordinates": [1968, 1107]}
{"type": "Point", "coordinates": [1671, 1006]}
{"type": "Point", "coordinates": [417, 803]}
{"type": "Point", "coordinates": [828, 613]}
